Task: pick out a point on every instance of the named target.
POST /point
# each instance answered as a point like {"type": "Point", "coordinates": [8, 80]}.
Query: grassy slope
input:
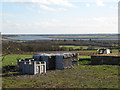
{"type": "Point", "coordinates": [82, 76]}
{"type": "Point", "coordinates": [115, 50]}
{"type": "Point", "coordinates": [85, 47]}
{"type": "Point", "coordinates": [12, 59]}
{"type": "Point", "coordinates": [84, 57]}
{"type": "Point", "coordinates": [77, 47]}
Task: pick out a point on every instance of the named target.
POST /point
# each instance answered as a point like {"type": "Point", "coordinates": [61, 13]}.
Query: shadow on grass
{"type": "Point", "coordinates": [88, 62]}
{"type": "Point", "coordinates": [101, 64]}
{"type": "Point", "coordinates": [85, 59]}
{"type": "Point", "coordinates": [11, 74]}
{"type": "Point", "coordinates": [13, 71]}
{"type": "Point", "coordinates": [9, 68]}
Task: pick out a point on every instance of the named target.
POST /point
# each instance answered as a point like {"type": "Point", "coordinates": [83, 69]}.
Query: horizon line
{"type": "Point", "coordinates": [52, 33]}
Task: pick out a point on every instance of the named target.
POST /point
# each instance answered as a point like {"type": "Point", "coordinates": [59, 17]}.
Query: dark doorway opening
{"type": "Point", "coordinates": [52, 62]}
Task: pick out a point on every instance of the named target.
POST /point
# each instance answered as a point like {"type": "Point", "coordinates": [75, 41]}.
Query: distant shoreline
{"type": "Point", "coordinates": [62, 37]}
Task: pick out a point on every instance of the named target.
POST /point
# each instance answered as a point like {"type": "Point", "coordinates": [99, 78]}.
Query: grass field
{"type": "Point", "coordinates": [85, 37]}
{"type": "Point", "coordinates": [85, 47]}
{"type": "Point", "coordinates": [84, 57]}
{"type": "Point", "coordinates": [12, 59]}
{"type": "Point", "coordinates": [115, 50]}
{"type": "Point", "coordinates": [78, 47]}
{"type": "Point", "coordinates": [82, 76]}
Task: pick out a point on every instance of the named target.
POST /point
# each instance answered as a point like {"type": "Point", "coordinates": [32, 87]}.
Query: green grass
{"type": "Point", "coordinates": [12, 59]}
{"type": "Point", "coordinates": [84, 57]}
{"type": "Point", "coordinates": [115, 50]}
{"type": "Point", "coordinates": [78, 47]}
{"type": "Point", "coordinates": [85, 47]}
{"type": "Point", "coordinates": [84, 62]}
{"type": "Point", "coordinates": [87, 37]}
{"type": "Point", "coordinates": [74, 47]}
{"type": "Point", "coordinates": [87, 51]}
{"type": "Point", "coordinates": [82, 76]}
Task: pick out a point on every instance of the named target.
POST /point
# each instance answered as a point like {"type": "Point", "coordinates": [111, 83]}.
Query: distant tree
{"type": "Point", "coordinates": [74, 40]}
{"type": "Point", "coordinates": [90, 39]}
{"type": "Point", "coordinates": [65, 40]}
{"type": "Point", "coordinates": [81, 48]}
{"type": "Point", "coordinates": [90, 47]}
{"type": "Point", "coordinates": [63, 49]}
{"type": "Point", "coordinates": [70, 49]}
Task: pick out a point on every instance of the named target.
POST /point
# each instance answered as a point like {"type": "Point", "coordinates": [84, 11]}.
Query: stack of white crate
{"type": "Point", "coordinates": [32, 67]}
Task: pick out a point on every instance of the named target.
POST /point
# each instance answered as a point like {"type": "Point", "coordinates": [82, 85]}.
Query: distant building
{"type": "Point", "coordinates": [104, 51]}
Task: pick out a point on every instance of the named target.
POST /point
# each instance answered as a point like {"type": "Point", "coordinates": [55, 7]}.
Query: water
{"type": "Point", "coordinates": [47, 37]}
{"type": "Point", "coordinates": [27, 38]}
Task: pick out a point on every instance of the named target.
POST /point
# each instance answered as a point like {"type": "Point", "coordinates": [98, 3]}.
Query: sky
{"type": "Point", "coordinates": [58, 16]}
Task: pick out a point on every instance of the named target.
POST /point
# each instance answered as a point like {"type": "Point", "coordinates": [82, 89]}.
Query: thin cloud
{"type": "Point", "coordinates": [8, 21]}
{"type": "Point", "coordinates": [61, 3]}
{"type": "Point", "coordinates": [65, 3]}
{"type": "Point", "coordinates": [40, 12]}
{"type": "Point", "coordinates": [112, 7]}
{"type": "Point", "coordinates": [47, 8]}
{"type": "Point", "coordinates": [7, 15]}
{"type": "Point", "coordinates": [62, 9]}
{"type": "Point", "coordinates": [99, 3]}
{"type": "Point", "coordinates": [87, 5]}
{"type": "Point", "coordinates": [43, 3]}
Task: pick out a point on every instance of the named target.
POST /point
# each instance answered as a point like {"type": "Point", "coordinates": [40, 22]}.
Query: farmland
{"type": "Point", "coordinates": [85, 36]}
{"type": "Point", "coordinates": [12, 59]}
{"type": "Point", "coordinates": [78, 47]}
{"type": "Point", "coordinates": [82, 76]}
{"type": "Point", "coordinates": [86, 47]}
{"type": "Point", "coordinates": [78, 77]}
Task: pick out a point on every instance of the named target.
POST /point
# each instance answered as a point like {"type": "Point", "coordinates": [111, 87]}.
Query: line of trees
{"type": "Point", "coordinates": [52, 45]}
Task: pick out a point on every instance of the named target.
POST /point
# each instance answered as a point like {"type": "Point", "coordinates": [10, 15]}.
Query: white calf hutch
{"type": "Point", "coordinates": [104, 51]}
{"type": "Point", "coordinates": [40, 62]}
{"type": "Point", "coordinates": [32, 67]}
